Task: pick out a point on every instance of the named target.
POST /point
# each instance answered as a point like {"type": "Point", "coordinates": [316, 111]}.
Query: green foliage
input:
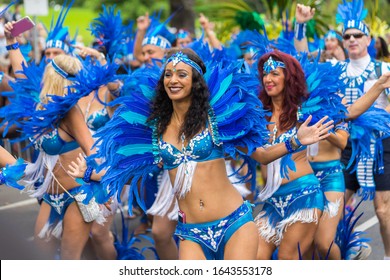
{"type": "Point", "coordinates": [130, 10]}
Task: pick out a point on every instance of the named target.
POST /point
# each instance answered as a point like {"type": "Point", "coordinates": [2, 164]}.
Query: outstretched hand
{"type": "Point", "coordinates": [308, 135]}
{"type": "Point", "coordinates": [77, 170]}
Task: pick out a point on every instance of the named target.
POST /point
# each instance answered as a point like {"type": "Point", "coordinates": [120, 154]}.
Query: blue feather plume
{"type": "Point", "coordinates": [13, 173]}
{"type": "Point", "coordinates": [109, 30]}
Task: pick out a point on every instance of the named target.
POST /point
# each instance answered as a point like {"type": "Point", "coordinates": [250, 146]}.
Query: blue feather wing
{"type": "Point", "coordinates": [126, 142]}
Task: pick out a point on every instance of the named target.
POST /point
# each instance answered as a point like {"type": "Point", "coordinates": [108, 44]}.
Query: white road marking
{"type": "Point", "coordinates": [19, 204]}
{"type": "Point", "coordinates": [367, 224]}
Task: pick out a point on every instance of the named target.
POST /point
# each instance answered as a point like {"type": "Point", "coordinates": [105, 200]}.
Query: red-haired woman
{"type": "Point", "coordinates": [293, 199]}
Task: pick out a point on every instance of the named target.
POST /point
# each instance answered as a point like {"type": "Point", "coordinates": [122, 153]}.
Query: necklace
{"type": "Point", "coordinates": [274, 132]}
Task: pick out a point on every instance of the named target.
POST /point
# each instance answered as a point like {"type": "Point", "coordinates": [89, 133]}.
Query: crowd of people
{"type": "Point", "coordinates": [192, 135]}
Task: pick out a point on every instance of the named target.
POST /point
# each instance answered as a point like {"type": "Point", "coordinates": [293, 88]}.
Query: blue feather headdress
{"type": "Point", "coordinates": [109, 31]}
{"type": "Point", "coordinates": [351, 15]}
{"type": "Point", "coordinates": [159, 35]}
{"type": "Point", "coordinates": [58, 36]}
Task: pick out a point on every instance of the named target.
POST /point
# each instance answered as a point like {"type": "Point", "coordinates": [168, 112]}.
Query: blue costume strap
{"type": "Point", "coordinates": [4, 10]}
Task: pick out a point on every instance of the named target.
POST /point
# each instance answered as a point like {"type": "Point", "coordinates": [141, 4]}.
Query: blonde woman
{"type": "Point", "coordinates": [59, 215]}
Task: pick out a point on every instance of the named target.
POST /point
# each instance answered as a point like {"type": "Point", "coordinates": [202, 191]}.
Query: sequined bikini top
{"type": "Point", "coordinates": [52, 143]}
{"type": "Point", "coordinates": [200, 148]}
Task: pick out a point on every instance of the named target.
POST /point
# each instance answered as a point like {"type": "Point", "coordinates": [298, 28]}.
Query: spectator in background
{"type": "Point", "coordinates": [382, 49]}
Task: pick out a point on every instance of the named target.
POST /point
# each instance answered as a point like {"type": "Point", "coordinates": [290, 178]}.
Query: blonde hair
{"type": "Point", "coordinates": [54, 83]}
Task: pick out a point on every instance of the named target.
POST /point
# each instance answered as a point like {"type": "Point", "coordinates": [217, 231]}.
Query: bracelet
{"type": "Point", "coordinates": [294, 144]}
{"type": "Point", "coordinates": [299, 144]}
{"type": "Point", "coordinates": [300, 31]}
{"type": "Point", "coordinates": [342, 126]}
{"type": "Point", "coordinates": [88, 174]}
{"type": "Point", "coordinates": [289, 146]}
{"type": "Point", "coordinates": [2, 177]}
{"type": "Point", "coordinates": [14, 46]}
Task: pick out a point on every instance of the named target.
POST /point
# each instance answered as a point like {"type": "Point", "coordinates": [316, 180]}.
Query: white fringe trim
{"type": "Point", "coordinates": [50, 230]}
{"type": "Point", "coordinates": [36, 171]}
{"type": "Point", "coordinates": [332, 208]}
{"type": "Point", "coordinates": [183, 180]}
{"type": "Point", "coordinates": [312, 150]}
{"type": "Point", "coordinates": [275, 234]}
{"type": "Point", "coordinates": [266, 231]}
{"type": "Point", "coordinates": [274, 180]}
{"type": "Point", "coordinates": [165, 203]}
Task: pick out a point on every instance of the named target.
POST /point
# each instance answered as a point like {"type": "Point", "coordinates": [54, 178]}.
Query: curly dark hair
{"type": "Point", "coordinates": [295, 89]}
{"type": "Point", "coordinates": [196, 117]}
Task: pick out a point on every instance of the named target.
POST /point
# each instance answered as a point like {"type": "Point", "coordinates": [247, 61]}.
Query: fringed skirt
{"type": "Point", "coordinates": [293, 202]}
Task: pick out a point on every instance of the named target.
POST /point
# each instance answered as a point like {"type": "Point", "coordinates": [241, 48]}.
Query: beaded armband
{"type": "Point", "coordinates": [342, 126]}
{"type": "Point", "coordinates": [88, 174]}
{"type": "Point", "coordinates": [299, 31]}
{"type": "Point", "coordinates": [289, 146]}
{"type": "Point", "coordinates": [14, 46]}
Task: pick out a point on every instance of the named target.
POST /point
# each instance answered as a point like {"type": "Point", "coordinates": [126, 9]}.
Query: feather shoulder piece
{"type": "Point", "coordinates": [324, 87]}
{"type": "Point", "coordinates": [91, 76]}
{"type": "Point", "coordinates": [238, 118]}
{"type": "Point", "coordinates": [127, 143]}
{"type": "Point", "coordinates": [24, 97]}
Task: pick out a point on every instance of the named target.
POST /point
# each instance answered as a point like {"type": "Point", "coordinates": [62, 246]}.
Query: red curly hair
{"type": "Point", "coordinates": [295, 89]}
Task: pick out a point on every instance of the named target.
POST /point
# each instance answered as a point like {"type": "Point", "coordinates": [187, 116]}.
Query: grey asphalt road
{"type": "Point", "coordinates": [18, 213]}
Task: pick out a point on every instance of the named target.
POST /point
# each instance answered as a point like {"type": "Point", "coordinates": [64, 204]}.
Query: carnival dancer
{"type": "Point", "coordinates": [191, 132]}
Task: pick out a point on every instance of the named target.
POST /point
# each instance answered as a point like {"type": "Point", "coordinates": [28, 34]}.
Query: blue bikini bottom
{"type": "Point", "coordinates": [330, 174]}
{"type": "Point", "coordinates": [213, 236]}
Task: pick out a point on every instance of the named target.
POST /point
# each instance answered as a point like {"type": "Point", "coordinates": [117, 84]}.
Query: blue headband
{"type": "Point", "coordinates": [60, 71]}
{"type": "Point", "coordinates": [271, 65]}
{"type": "Point", "coordinates": [158, 41]}
{"type": "Point", "coordinates": [333, 34]}
{"type": "Point", "coordinates": [181, 57]}
{"type": "Point", "coordinates": [57, 44]}
{"type": "Point", "coordinates": [183, 34]}
{"type": "Point", "coordinates": [357, 24]}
